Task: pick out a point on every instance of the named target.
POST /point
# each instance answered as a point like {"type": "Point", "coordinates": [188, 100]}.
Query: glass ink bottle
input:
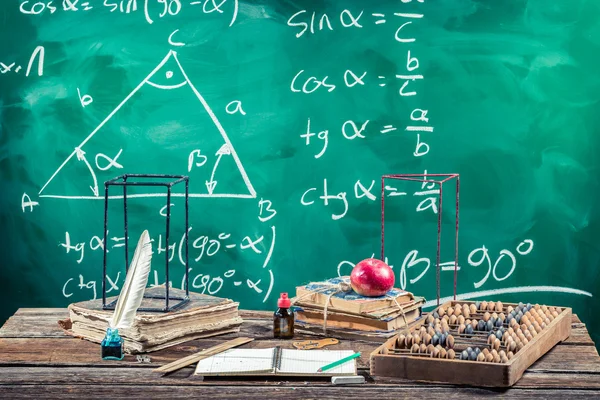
{"type": "Point", "coordinates": [112, 345]}
{"type": "Point", "coordinates": [283, 319]}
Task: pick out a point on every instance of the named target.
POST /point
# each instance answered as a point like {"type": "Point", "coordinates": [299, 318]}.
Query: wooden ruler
{"type": "Point", "coordinates": [314, 344]}
{"type": "Point", "coordinates": [211, 351]}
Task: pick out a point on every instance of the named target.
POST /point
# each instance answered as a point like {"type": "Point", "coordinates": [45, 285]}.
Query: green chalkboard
{"type": "Point", "coordinates": [285, 115]}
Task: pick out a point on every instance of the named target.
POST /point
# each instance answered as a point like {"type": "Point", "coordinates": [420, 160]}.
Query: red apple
{"type": "Point", "coordinates": [372, 278]}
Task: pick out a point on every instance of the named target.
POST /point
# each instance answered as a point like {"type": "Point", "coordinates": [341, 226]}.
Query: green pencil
{"type": "Point", "coordinates": [339, 362]}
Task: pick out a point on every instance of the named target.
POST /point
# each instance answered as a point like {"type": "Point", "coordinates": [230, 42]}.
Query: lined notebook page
{"type": "Point", "coordinates": [237, 361]}
{"type": "Point", "coordinates": [309, 361]}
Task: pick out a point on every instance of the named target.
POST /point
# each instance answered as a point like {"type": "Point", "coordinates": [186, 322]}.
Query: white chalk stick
{"type": "Point", "coordinates": [347, 380]}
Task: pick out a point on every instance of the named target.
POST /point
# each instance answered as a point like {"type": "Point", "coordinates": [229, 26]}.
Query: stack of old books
{"type": "Point", "coordinates": [202, 316]}
{"type": "Point", "coordinates": [351, 316]}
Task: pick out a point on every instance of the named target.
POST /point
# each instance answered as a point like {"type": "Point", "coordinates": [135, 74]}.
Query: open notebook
{"type": "Point", "coordinates": [275, 361]}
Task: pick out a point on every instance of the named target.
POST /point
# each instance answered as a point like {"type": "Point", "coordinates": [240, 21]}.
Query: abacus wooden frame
{"type": "Point", "coordinates": [473, 373]}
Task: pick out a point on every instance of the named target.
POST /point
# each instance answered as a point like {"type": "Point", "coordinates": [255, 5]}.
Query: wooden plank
{"type": "Point", "coordinates": [140, 376]}
{"type": "Point", "coordinates": [569, 359]}
{"type": "Point", "coordinates": [43, 322]}
{"type": "Point", "coordinates": [260, 392]}
{"type": "Point", "coordinates": [45, 351]}
{"type": "Point", "coordinates": [75, 352]}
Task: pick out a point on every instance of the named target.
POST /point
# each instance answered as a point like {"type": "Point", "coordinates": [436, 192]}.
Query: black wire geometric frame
{"type": "Point", "coordinates": [144, 180]}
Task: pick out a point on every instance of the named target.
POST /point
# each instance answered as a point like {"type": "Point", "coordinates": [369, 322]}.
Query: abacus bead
{"type": "Point", "coordinates": [443, 339]}
{"type": "Point", "coordinates": [435, 340]}
{"type": "Point", "coordinates": [497, 344]}
{"type": "Point", "coordinates": [450, 341]}
{"type": "Point", "coordinates": [491, 306]}
{"type": "Point", "coordinates": [504, 359]}
{"type": "Point", "coordinates": [427, 339]}
{"type": "Point", "coordinates": [464, 355]}
{"type": "Point", "coordinates": [450, 354]}
{"type": "Point", "coordinates": [490, 325]}
{"type": "Point", "coordinates": [489, 357]}
{"type": "Point", "coordinates": [443, 353]}
{"type": "Point", "coordinates": [415, 348]}
{"type": "Point", "coordinates": [441, 311]}
{"type": "Point", "coordinates": [498, 323]}
{"type": "Point", "coordinates": [483, 305]}
{"type": "Point", "coordinates": [416, 339]}
{"type": "Point", "coordinates": [453, 320]}
{"type": "Point", "coordinates": [510, 355]}
{"type": "Point", "coordinates": [481, 325]}
{"type": "Point", "coordinates": [423, 348]}
{"type": "Point", "coordinates": [481, 357]}
{"type": "Point", "coordinates": [486, 316]}
{"type": "Point", "coordinates": [460, 319]}
{"type": "Point", "coordinates": [469, 330]}
{"type": "Point", "coordinates": [491, 339]}
{"type": "Point", "coordinates": [400, 341]}
{"type": "Point", "coordinates": [430, 348]}
{"type": "Point", "coordinates": [473, 308]}
{"type": "Point", "coordinates": [472, 356]}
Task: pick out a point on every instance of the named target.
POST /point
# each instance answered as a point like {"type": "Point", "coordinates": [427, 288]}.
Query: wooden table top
{"type": "Point", "coordinates": [37, 360]}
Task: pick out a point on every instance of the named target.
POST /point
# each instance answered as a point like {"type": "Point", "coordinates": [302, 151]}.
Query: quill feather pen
{"type": "Point", "coordinates": [136, 280]}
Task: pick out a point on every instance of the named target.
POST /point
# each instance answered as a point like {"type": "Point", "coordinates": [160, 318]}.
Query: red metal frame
{"type": "Point", "coordinates": [424, 178]}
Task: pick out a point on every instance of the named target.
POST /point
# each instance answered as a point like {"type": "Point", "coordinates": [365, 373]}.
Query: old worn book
{"type": "Point", "coordinates": [275, 361]}
{"type": "Point", "coordinates": [317, 293]}
{"type": "Point", "coordinates": [366, 322]}
{"type": "Point", "coordinates": [202, 316]}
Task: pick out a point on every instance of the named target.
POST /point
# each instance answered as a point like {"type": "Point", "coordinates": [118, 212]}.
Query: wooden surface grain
{"type": "Point", "coordinates": [37, 360]}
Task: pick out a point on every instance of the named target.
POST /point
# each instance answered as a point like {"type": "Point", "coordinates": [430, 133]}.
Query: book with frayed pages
{"type": "Point", "coordinates": [203, 316]}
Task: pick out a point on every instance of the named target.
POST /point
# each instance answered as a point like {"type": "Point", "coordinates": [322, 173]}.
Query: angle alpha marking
{"type": "Point", "coordinates": [226, 149]}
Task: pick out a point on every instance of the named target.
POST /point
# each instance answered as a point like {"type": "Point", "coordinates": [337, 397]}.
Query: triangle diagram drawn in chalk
{"type": "Point", "coordinates": [163, 126]}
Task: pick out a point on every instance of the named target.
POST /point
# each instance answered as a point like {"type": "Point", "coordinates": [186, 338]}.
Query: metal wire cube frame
{"type": "Point", "coordinates": [167, 181]}
{"type": "Point", "coordinates": [438, 179]}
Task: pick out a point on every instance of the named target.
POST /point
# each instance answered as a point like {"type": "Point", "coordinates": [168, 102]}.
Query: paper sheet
{"type": "Point", "coordinates": [237, 361]}
{"type": "Point", "coordinates": [309, 361]}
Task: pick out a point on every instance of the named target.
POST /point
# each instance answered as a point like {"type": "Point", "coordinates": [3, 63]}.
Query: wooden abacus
{"type": "Point", "coordinates": [473, 343]}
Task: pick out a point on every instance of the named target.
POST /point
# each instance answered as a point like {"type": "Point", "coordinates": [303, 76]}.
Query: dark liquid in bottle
{"type": "Point", "coordinates": [283, 324]}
